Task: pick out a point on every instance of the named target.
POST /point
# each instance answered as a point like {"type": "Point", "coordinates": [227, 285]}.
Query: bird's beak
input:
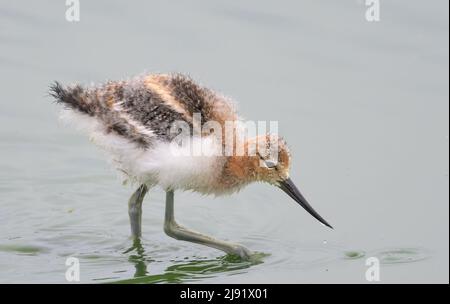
{"type": "Point", "coordinates": [288, 186]}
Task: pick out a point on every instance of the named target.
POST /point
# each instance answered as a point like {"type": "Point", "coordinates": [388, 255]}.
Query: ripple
{"type": "Point", "coordinates": [23, 249]}
{"type": "Point", "coordinates": [193, 270]}
{"type": "Point", "coordinates": [354, 254]}
{"type": "Point", "coordinates": [151, 264]}
{"type": "Point", "coordinates": [401, 255]}
{"type": "Point", "coordinates": [301, 255]}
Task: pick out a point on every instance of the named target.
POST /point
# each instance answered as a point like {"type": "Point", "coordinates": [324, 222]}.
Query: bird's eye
{"type": "Point", "coordinates": [270, 164]}
{"type": "Point", "coordinates": [267, 163]}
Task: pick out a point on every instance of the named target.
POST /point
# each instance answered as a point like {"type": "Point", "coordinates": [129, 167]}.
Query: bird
{"type": "Point", "coordinates": [149, 125]}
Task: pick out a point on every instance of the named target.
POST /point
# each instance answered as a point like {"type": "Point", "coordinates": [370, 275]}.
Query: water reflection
{"type": "Point", "coordinates": [138, 259]}
{"type": "Point", "coordinates": [183, 271]}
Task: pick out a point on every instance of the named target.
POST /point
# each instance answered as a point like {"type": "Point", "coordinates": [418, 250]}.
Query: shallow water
{"type": "Point", "coordinates": [363, 106]}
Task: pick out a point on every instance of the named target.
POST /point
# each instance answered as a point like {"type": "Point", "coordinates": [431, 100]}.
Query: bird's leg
{"type": "Point", "coordinates": [173, 229]}
{"type": "Point", "coordinates": [135, 210]}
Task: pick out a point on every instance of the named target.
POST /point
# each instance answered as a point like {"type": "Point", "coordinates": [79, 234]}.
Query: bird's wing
{"type": "Point", "coordinates": [145, 108]}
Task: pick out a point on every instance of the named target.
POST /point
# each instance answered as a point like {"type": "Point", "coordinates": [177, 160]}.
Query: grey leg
{"type": "Point", "coordinates": [135, 210]}
{"type": "Point", "coordinates": [172, 229]}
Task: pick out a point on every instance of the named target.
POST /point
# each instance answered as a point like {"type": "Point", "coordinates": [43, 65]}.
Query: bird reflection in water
{"type": "Point", "coordinates": [184, 271]}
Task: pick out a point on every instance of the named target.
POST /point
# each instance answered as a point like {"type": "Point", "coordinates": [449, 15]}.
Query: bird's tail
{"type": "Point", "coordinates": [101, 106]}
{"type": "Point", "coordinates": [74, 97]}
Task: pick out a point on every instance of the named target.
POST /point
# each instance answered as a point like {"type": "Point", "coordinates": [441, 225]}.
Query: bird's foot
{"type": "Point", "coordinates": [242, 252]}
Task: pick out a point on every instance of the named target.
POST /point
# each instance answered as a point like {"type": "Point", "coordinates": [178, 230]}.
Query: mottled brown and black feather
{"type": "Point", "coordinates": [71, 97]}
{"type": "Point", "coordinates": [195, 98]}
{"type": "Point", "coordinates": [151, 110]}
{"type": "Point", "coordinates": [98, 103]}
{"type": "Point", "coordinates": [145, 108]}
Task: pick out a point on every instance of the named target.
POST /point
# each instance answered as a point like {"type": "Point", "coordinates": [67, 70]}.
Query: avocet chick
{"type": "Point", "coordinates": [140, 123]}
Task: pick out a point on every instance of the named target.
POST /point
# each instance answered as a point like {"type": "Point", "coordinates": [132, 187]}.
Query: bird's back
{"type": "Point", "coordinates": [143, 109]}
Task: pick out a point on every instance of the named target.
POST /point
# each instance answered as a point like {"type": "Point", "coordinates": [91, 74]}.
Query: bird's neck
{"type": "Point", "coordinates": [239, 171]}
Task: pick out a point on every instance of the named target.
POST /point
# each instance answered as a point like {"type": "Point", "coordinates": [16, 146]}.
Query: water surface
{"type": "Point", "coordinates": [363, 106]}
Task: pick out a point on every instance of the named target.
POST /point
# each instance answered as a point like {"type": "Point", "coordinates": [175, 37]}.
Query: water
{"type": "Point", "coordinates": [363, 106]}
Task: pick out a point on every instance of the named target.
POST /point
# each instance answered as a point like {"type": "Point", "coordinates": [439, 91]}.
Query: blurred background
{"type": "Point", "coordinates": [363, 106]}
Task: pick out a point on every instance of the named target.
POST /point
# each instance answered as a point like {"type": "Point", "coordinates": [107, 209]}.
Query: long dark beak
{"type": "Point", "coordinates": [288, 186]}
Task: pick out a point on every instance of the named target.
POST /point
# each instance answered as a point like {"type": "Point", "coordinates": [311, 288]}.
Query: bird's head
{"type": "Point", "coordinates": [270, 158]}
{"type": "Point", "coordinates": [269, 161]}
